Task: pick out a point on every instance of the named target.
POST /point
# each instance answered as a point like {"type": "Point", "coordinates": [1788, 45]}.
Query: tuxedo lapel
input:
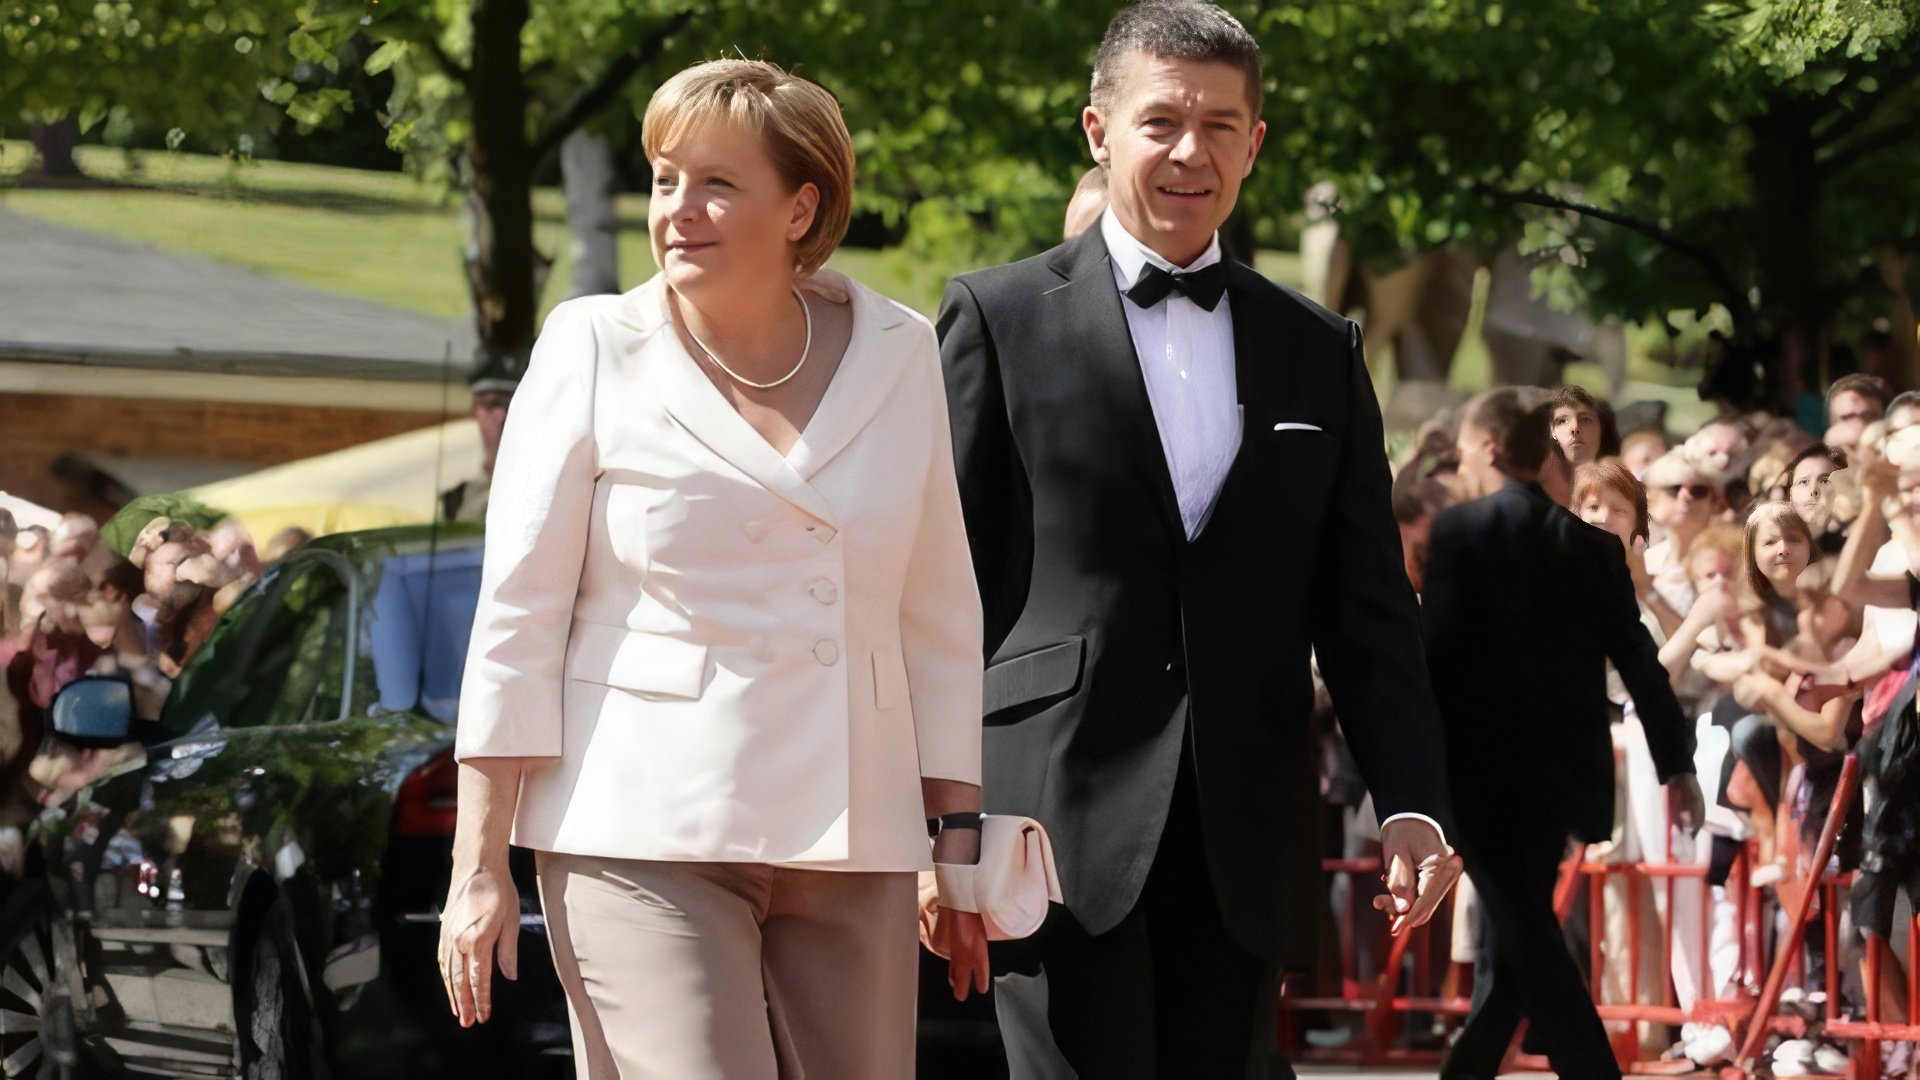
{"type": "Point", "coordinates": [692, 400]}
{"type": "Point", "coordinates": [1089, 304]}
{"type": "Point", "coordinates": [1252, 337]}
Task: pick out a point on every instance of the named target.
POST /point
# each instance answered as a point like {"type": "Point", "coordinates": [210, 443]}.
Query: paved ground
{"type": "Point", "coordinates": [1356, 1073]}
{"type": "Point", "coordinates": [70, 290]}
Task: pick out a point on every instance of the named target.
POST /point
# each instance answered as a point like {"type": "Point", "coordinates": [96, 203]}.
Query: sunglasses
{"type": "Point", "coordinates": [1697, 491]}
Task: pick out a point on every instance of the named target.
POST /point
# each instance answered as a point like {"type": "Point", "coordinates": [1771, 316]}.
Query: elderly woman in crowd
{"type": "Point", "coordinates": [1681, 501]}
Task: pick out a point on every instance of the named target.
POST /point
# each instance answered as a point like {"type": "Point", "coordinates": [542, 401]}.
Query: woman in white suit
{"type": "Point", "coordinates": [725, 676]}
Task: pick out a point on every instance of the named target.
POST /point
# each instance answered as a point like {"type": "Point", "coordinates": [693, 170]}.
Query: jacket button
{"type": "Point", "coordinates": [1177, 672]}
{"type": "Point", "coordinates": [826, 652]}
{"type": "Point", "coordinates": [823, 590]}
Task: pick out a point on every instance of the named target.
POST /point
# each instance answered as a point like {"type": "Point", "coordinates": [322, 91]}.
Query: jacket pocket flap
{"type": "Point", "coordinates": [637, 660]}
{"type": "Point", "coordinates": [1041, 673]}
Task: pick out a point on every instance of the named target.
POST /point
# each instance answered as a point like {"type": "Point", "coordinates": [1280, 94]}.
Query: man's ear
{"type": "Point", "coordinates": [1095, 126]}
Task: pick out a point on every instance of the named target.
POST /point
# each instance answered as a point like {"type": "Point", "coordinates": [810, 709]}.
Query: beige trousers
{"type": "Point", "coordinates": [733, 971]}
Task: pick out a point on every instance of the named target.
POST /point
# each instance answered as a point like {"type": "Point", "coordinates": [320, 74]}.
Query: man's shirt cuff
{"type": "Point", "coordinates": [1417, 817]}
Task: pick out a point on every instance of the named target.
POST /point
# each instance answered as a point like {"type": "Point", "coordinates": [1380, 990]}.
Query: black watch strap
{"type": "Point", "coordinates": [970, 819]}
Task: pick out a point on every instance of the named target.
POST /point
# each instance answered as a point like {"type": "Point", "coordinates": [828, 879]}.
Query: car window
{"type": "Point", "coordinates": [417, 629]}
{"type": "Point", "coordinates": [276, 658]}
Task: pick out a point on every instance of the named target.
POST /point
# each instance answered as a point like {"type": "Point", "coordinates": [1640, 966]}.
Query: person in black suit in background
{"type": "Point", "coordinates": [1176, 489]}
{"type": "Point", "coordinates": [1524, 605]}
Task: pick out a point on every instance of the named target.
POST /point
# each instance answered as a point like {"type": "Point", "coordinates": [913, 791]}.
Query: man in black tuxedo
{"type": "Point", "coordinates": [1523, 606]}
{"type": "Point", "coordinates": [1176, 490]}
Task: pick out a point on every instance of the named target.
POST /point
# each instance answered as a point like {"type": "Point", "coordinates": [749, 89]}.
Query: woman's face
{"type": "Point", "coordinates": [721, 216]}
{"type": "Point", "coordinates": [1808, 482]}
{"type": "Point", "coordinates": [1681, 505]}
{"type": "Point", "coordinates": [1781, 554]}
{"type": "Point", "coordinates": [1609, 510]}
{"type": "Point", "coordinates": [1577, 429]}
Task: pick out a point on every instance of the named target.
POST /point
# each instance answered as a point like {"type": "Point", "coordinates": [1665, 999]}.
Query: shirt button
{"type": "Point", "coordinates": [826, 652]}
{"type": "Point", "coordinates": [823, 590]}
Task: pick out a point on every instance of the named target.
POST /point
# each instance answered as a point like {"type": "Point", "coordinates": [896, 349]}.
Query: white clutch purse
{"type": "Point", "coordinates": [1013, 882]}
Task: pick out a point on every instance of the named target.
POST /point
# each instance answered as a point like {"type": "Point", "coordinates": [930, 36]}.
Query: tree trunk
{"type": "Point", "coordinates": [1788, 252]}
{"type": "Point", "coordinates": [586, 164]}
{"type": "Point", "coordinates": [55, 142]}
{"type": "Point", "coordinates": [501, 262]}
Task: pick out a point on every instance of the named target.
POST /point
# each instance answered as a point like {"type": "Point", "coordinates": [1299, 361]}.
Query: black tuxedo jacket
{"type": "Point", "coordinates": [1524, 606]}
{"type": "Point", "coordinates": [1110, 636]}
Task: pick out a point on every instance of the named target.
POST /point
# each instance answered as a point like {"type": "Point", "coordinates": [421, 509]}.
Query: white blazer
{"type": "Point", "coordinates": [725, 654]}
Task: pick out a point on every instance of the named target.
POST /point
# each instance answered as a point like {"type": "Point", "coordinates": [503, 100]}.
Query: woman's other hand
{"type": "Point", "coordinates": [480, 923]}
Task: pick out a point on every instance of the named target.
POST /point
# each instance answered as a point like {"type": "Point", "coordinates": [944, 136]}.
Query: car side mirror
{"type": "Point", "coordinates": [94, 710]}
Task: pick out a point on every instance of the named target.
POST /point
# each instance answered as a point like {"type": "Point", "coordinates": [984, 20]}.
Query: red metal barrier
{"type": "Point", "coordinates": [1384, 1003]}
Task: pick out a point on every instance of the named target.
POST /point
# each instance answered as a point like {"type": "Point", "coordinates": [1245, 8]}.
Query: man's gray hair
{"type": "Point", "coordinates": [1175, 30]}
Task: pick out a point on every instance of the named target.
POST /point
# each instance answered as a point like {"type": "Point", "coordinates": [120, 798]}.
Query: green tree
{"type": "Point", "coordinates": [1752, 154]}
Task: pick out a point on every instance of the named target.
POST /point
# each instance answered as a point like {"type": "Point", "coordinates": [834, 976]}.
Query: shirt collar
{"type": "Point", "coordinates": [1130, 256]}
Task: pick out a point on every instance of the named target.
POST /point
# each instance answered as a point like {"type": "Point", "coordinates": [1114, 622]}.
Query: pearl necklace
{"type": "Point", "coordinates": [736, 376]}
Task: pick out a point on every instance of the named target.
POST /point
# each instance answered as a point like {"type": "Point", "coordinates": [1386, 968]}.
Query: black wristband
{"type": "Point", "coordinates": [970, 819]}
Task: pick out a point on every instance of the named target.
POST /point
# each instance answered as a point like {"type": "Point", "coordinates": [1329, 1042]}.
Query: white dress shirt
{"type": "Point", "coordinates": [1186, 355]}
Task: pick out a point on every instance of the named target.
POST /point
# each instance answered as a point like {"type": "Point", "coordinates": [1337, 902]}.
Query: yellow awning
{"type": "Point", "coordinates": [392, 481]}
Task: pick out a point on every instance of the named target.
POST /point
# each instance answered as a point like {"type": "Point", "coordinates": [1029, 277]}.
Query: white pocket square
{"type": "Point", "coordinates": [1296, 427]}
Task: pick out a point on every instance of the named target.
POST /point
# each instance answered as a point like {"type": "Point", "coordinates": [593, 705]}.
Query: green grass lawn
{"type": "Point", "coordinates": [388, 238]}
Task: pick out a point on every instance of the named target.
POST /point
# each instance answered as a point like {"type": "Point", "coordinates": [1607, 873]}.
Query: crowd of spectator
{"type": "Point", "coordinates": [74, 603]}
{"type": "Point", "coordinates": [1776, 571]}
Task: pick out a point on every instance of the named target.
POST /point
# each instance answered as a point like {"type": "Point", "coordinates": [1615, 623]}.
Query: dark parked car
{"type": "Point", "coordinates": [257, 894]}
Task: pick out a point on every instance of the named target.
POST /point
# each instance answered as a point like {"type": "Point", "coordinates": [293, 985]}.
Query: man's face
{"type": "Point", "coordinates": [490, 412]}
{"type": "Point", "coordinates": [1177, 137]}
{"type": "Point", "coordinates": [1810, 479]}
{"type": "Point", "coordinates": [1852, 405]}
{"type": "Point", "coordinates": [1577, 429]}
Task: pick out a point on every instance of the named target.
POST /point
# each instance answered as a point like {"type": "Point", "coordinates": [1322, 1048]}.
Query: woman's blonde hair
{"type": "Point", "coordinates": [1760, 593]}
{"type": "Point", "coordinates": [797, 120]}
{"type": "Point", "coordinates": [1609, 475]}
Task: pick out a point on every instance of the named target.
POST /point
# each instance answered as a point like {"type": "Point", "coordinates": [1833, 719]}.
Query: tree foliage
{"type": "Point", "coordinates": [1754, 155]}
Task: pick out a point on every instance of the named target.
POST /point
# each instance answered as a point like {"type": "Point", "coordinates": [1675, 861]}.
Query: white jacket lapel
{"type": "Point", "coordinates": [693, 401]}
{"type": "Point", "coordinates": [872, 367]}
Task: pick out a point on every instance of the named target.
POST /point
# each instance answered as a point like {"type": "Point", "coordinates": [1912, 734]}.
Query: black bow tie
{"type": "Point", "coordinates": [1203, 286]}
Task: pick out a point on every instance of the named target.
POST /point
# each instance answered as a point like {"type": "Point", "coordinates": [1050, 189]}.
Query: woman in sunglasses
{"type": "Point", "coordinates": [1681, 500]}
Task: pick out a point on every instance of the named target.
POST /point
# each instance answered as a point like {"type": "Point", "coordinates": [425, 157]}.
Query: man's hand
{"type": "Point", "coordinates": [1421, 868]}
{"type": "Point", "coordinates": [1686, 807]}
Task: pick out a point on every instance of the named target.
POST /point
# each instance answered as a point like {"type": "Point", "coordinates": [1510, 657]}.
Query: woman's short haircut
{"type": "Point", "coordinates": [1610, 475]}
{"type": "Point", "coordinates": [1578, 397]}
{"type": "Point", "coordinates": [797, 120]}
{"type": "Point", "coordinates": [1175, 30]}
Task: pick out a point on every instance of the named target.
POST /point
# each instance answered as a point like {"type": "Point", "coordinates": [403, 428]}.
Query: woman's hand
{"type": "Point", "coordinates": [961, 937]}
{"type": "Point", "coordinates": [481, 920]}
